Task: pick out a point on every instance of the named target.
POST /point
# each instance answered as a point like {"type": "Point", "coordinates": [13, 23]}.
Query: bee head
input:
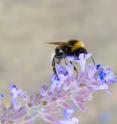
{"type": "Point", "coordinates": [59, 53]}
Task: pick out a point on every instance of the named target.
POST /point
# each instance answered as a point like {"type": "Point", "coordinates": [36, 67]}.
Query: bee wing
{"type": "Point", "coordinates": [59, 43]}
{"type": "Point", "coordinates": [56, 43]}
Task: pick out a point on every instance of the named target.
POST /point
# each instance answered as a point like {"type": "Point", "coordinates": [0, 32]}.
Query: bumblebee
{"type": "Point", "coordinates": [64, 49]}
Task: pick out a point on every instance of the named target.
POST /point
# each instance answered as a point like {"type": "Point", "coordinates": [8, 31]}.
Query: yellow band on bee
{"type": "Point", "coordinates": [77, 45]}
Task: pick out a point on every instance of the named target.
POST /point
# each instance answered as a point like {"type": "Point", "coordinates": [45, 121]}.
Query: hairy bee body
{"type": "Point", "coordinates": [65, 49]}
{"type": "Point", "coordinates": [70, 48]}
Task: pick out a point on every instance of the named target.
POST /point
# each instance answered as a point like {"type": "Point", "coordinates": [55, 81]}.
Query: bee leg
{"type": "Point", "coordinates": [93, 60]}
{"type": "Point", "coordinates": [54, 67]}
{"type": "Point", "coordinates": [66, 62]}
{"type": "Point", "coordinates": [74, 67]}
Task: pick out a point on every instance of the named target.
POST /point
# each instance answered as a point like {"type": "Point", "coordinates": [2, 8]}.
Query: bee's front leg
{"type": "Point", "coordinates": [54, 66]}
{"type": "Point", "coordinates": [93, 60]}
{"type": "Point", "coordinates": [74, 67]}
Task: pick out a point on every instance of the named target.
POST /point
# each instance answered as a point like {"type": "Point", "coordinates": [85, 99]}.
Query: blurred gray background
{"type": "Point", "coordinates": [25, 59]}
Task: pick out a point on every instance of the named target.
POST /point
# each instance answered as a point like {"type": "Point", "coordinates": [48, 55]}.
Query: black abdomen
{"type": "Point", "coordinates": [78, 51]}
{"type": "Point", "coordinates": [68, 51]}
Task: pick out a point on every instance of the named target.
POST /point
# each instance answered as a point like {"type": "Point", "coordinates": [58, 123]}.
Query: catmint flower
{"type": "Point", "coordinates": [54, 83]}
{"type": "Point", "coordinates": [62, 70]}
{"type": "Point", "coordinates": [70, 121]}
{"type": "Point", "coordinates": [58, 103]}
{"type": "Point", "coordinates": [14, 91]}
{"type": "Point", "coordinates": [82, 60]}
{"type": "Point", "coordinates": [44, 90]}
{"type": "Point", "coordinates": [105, 75]}
{"type": "Point", "coordinates": [1, 95]}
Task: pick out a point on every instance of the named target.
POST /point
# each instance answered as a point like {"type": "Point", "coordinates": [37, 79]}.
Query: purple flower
{"type": "Point", "coordinates": [44, 90]}
{"type": "Point", "coordinates": [67, 94]}
{"type": "Point", "coordinates": [68, 111]}
{"type": "Point", "coordinates": [14, 91]}
{"type": "Point", "coordinates": [105, 75]}
{"type": "Point", "coordinates": [62, 70]}
{"type": "Point", "coordinates": [54, 83]}
{"type": "Point", "coordinates": [69, 121]}
{"type": "Point", "coordinates": [81, 59]}
{"type": "Point", "coordinates": [1, 95]}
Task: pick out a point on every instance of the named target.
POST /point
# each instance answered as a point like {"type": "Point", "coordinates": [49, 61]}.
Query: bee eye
{"type": "Point", "coordinates": [59, 52]}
